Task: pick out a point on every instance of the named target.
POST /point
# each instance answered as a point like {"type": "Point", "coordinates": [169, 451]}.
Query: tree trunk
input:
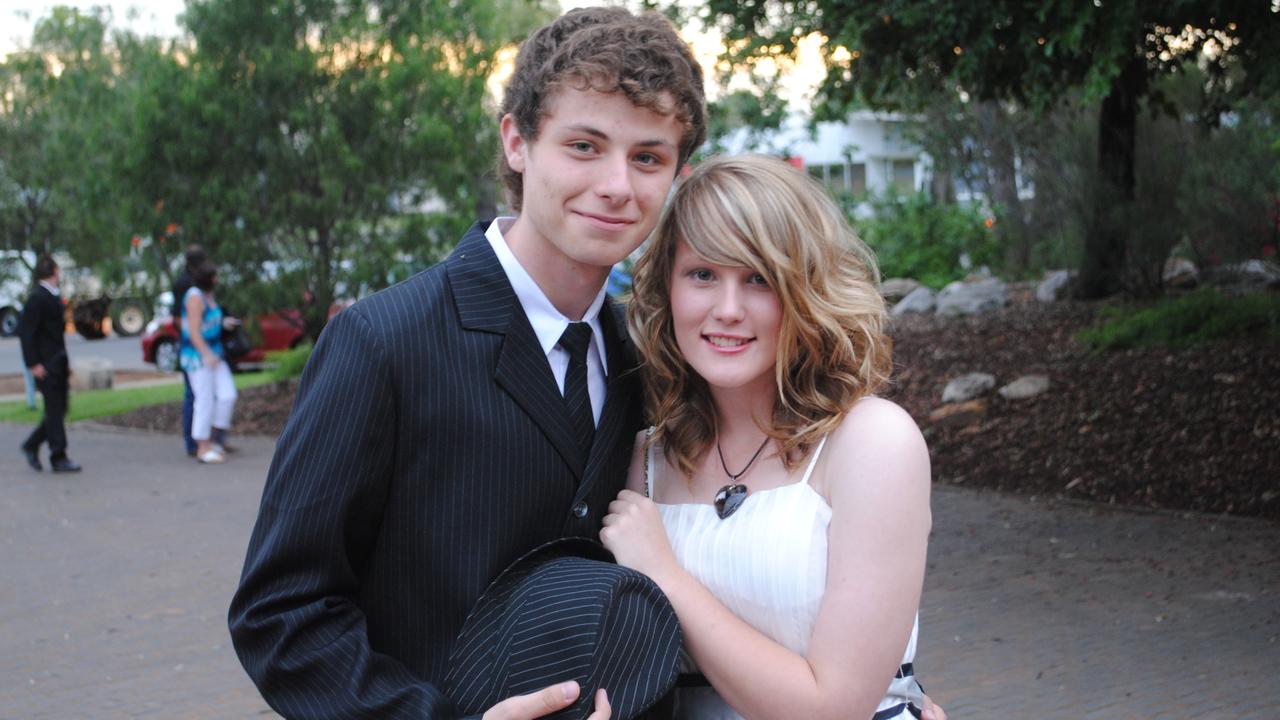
{"type": "Point", "coordinates": [316, 314]}
{"type": "Point", "coordinates": [942, 184]}
{"type": "Point", "coordinates": [1102, 270]}
{"type": "Point", "coordinates": [998, 131]}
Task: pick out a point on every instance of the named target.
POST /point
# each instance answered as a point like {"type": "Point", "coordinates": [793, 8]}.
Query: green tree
{"type": "Point", "coordinates": [55, 186]}
{"type": "Point", "coordinates": [755, 114]}
{"type": "Point", "coordinates": [344, 139]}
{"type": "Point", "coordinates": [1031, 53]}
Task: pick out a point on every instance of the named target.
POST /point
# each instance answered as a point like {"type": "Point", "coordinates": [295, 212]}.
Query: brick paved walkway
{"type": "Point", "coordinates": [115, 585]}
{"type": "Point", "coordinates": [1051, 610]}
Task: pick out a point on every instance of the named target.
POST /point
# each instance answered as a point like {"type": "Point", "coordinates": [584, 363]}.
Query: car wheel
{"type": "Point", "coordinates": [8, 322]}
{"type": "Point", "coordinates": [128, 318]}
{"type": "Point", "coordinates": [166, 356]}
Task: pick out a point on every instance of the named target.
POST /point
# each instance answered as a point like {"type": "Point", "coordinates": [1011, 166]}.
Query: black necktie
{"type": "Point", "coordinates": [575, 340]}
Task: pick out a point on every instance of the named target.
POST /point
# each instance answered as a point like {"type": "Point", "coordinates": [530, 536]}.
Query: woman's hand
{"type": "Point", "coordinates": [633, 532]}
{"type": "Point", "coordinates": [211, 359]}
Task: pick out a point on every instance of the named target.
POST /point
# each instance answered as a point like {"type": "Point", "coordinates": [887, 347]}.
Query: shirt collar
{"type": "Point", "coordinates": [548, 322]}
{"type": "Point", "coordinates": [51, 288]}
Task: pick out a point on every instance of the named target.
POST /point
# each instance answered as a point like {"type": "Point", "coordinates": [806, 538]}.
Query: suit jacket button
{"type": "Point", "coordinates": [580, 510]}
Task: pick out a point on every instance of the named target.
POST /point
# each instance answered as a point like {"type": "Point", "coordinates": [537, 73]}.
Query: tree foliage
{"type": "Point", "coordinates": [315, 147]}
{"type": "Point", "coordinates": [901, 53]}
{"type": "Point", "coordinates": [354, 128]}
{"type": "Point", "coordinates": [54, 176]}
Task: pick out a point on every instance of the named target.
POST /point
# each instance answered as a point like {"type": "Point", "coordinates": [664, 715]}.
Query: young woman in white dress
{"type": "Point", "coordinates": [780, 505]}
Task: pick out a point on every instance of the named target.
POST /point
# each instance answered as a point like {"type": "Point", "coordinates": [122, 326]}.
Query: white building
{"type": "Point", "coordinates": [866, 153]}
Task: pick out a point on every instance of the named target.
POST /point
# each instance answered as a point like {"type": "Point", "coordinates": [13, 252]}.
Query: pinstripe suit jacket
{"type": "Point", "coordinates": [428, 448]}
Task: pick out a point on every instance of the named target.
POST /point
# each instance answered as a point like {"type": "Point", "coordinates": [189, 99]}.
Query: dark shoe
{"type": "Point", "coordinates": [33, 458]}
{"type": "Point", "coordinates": [64, 465]}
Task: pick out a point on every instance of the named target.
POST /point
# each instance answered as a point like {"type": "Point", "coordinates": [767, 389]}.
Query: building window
{"type": "Point", "coordinates": [904, 176]}
{"type": "Point", "coordinates": [840, 178]}
{"type": "Point", "coordinates": [857, 178]}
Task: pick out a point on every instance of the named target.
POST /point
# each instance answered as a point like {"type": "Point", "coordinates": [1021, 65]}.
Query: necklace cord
{"type": "Point", "coordinates": [750, 462]}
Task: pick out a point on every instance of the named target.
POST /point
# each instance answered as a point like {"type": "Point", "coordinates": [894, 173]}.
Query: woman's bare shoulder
{"type": "Point", "coordinates": [877, 442]}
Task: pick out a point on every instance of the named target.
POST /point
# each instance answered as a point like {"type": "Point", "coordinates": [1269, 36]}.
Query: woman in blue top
{"type": "Point", "coordinates": [204, 361]}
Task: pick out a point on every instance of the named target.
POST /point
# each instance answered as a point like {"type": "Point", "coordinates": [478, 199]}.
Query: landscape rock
{"type": "Point", "coordinates": [968, 387]}
{"type": "Point", "coordinates": [91, 374]}
{"type": "Point", "coordinates": [894, 289]}
{"type": "Point", "coordinates": [920, 300]}
{"type": "Point", "coordinates": [1025, 387]}
{"type": "Point", "coordinates": [1180, 273]}
{"type": "Point", "coordinates": [1055, 286]}
{"type": "Point", "coordinates": [958, 413]}
{"type": "Point", "coordinates": [972, 297]}
{"type": "Point", "coordinates": [1247, 276]}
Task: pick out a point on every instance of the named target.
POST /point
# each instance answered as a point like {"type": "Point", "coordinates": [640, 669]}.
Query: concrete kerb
{"type": "Point", "coordinates": [175, 379]}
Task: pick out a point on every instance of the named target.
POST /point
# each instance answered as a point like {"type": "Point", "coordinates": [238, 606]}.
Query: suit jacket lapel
{"type": "Point", "coordinates": [487, 303]}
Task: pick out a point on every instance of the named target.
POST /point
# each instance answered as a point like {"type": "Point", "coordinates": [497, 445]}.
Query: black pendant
{"type": "Point", "coordinates": [729, 499]}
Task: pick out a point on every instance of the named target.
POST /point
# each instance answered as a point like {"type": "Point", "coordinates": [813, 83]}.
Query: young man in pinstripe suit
{"type": "Point", "coordinates": [447, 425]}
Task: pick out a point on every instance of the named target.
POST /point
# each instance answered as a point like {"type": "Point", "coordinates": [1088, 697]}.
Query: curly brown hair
{"type": "Point", "coordinates": [606, 49]}
{"type": "Point", "coordinates": [759, 212]}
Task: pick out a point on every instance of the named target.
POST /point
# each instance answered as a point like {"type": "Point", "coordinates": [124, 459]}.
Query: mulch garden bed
{"type": "Point", "coordinates": [1184, 429]}
{"type": "Point", "coordinates": [1187, 429]}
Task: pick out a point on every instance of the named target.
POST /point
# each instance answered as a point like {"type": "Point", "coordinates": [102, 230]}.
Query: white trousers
{"type": "Point", "coordinates": [215, 396]}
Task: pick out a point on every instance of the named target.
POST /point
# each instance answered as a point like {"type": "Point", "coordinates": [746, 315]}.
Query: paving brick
{"type": "Point", "coordinates": [116, 583]}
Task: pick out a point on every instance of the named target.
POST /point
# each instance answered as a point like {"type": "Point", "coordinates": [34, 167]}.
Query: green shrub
{"type": "Point", "coordinates": [1191, 319]}
{"type": "Point", "coordinates": [286, 364]}
{"type": "Point", "coordinates": [915, 237]}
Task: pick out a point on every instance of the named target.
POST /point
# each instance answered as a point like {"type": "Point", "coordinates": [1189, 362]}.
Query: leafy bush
{"type": "Point", "coordinates": [1195, 318]}
{"type": "Point", "coordinates": [915, 237]}
{"type": "Point", "coordinates": [286, 364]}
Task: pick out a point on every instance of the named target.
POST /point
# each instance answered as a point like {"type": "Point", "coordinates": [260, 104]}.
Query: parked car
{"type": "Point", "coordinates": [277, 330]}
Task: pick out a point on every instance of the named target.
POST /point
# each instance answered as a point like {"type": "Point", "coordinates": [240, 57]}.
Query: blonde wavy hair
{"type": "Point", "coordinates": [760, 212]}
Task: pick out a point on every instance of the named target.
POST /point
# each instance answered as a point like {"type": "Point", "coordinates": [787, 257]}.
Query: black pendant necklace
{"type": "Point", "coordinates": [730, 497]}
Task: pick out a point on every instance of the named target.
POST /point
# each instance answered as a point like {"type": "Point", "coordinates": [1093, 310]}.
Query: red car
{"type": "Point", "coordinates": [279, 330]}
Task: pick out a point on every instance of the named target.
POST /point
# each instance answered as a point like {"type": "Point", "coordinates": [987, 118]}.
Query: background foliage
{"type": "Point", "coordinates": [326, 149]}
{"type": "Point", "coordinates": [933, 243]}
{"type": "Point", "coordinates": [1009, 62]}
{"type": "Point", "coordinates": [317, 149]}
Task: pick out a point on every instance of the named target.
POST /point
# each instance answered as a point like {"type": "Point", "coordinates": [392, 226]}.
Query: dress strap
{"type": "Point", "coordinates": [813, 460]}
{"type": "Point", "coordinates": [648, 464]}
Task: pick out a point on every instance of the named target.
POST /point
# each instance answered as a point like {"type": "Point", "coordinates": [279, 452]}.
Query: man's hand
{"type": "Point", "coordinates": [38, 372]}
{"type": "Point", "coordinates": [546, 701]}
{"type": "Point", "coordinates": [931, 711]}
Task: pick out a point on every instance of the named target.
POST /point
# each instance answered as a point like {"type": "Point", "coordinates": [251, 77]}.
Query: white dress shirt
{"type": "Point", "coordinates": [549, 323]}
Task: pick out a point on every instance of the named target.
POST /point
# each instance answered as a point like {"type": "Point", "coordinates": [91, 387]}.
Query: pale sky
{"type": "Point", "coordinates": [160, 17]}
{"type": "Point", "coordinates": [152, 17]}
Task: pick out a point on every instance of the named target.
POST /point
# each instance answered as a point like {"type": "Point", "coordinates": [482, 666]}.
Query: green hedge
{"type": "Point", "coordinates": [915, 237]}
{"type": "Point", "coordinates": [1198, 317]}
{"type": "Point", "coordinates": [286, 364]}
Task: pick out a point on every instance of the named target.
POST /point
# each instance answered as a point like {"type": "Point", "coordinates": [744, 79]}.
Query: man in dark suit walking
{"type": "Point", "coordinates": [449, 424]}
{"type": "Point", "coordinates": [44, 351]}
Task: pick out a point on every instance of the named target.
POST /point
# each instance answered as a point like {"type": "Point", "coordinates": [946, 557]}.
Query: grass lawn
{"type": "Point", "coordinates": [99, 403]}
